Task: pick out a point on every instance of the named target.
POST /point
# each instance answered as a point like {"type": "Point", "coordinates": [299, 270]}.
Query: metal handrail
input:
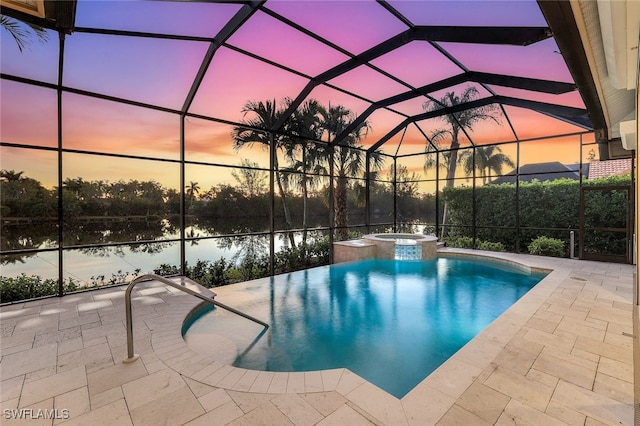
{"type": "Point", "coordinates": [131, 357]}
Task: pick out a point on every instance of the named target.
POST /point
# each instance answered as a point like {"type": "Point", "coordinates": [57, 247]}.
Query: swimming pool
{"type": "Point", "coordinates": [391, 322]}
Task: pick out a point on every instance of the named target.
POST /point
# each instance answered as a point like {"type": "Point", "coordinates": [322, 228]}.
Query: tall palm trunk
{"type": "Point", "coordinates": [451, 173]}
{"type": "Point", "coordinates": [341, 208]}
{"type": "Point", "coordinates": [305, 196]}
{"type": "Point", "coordinates": [285, 209]}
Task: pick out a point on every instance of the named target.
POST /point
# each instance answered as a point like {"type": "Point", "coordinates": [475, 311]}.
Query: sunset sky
{"type": "Point", "coordinates": [161, 72]}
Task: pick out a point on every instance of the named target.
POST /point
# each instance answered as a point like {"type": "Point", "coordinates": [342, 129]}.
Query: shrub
{"type": "Point", "coordinates": [467, 242]}
{"type": "Point", "coordinates": [460, 242]}
{"type": "Point", "coordinates": [545, 246]}
{"type": "Point", "coordinates": [29, 287]}
{"type": "Point", "coordinates": [491, 246]}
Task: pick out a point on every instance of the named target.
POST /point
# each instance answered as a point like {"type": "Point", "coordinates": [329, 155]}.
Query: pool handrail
{"type": "Point", "coordinates": [188, 286]}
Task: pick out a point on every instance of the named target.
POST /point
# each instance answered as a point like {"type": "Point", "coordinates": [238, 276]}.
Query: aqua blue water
{"type": "Point", "coordinates": [391, 322]}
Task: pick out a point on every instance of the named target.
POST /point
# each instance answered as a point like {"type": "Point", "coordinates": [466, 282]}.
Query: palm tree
{"type": "Point", "coordinates": [10, 175]}
{"type": "Point", "coordinates": [460, 121]}
{"type": "Point", "coordinates": [22, 31]}
{"type": "Point", "coordinates": [192, 190]}
{"type": "Point", "coordinates": [305, 158]}
{"type": "Point", "coordinates": [488, 159]}
{"type": "Point", "coordinates": [264, 115]}
{"type": "Point", "coordinates": [348, 159]}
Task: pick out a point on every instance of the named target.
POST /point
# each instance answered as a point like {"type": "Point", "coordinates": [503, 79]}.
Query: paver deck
{"type": "Point", "coordinates": [563, 354]}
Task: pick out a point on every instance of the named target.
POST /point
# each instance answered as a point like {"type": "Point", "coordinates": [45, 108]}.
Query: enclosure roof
{"type": "Point", "coordinates": [383, 60]}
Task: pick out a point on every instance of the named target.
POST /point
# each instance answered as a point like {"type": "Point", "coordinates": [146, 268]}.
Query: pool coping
{"type": "Point", "coordinates": [451, 378]}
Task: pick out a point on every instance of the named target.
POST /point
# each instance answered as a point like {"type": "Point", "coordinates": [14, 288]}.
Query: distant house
{"type": "Point", "coordinates": [600, 169]}
{"type": "Point", "coordinates": [543, 172]}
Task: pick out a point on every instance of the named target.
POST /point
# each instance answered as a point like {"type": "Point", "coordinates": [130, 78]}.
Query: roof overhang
{"type": "Point", "coordinates": [55, 15]}
{"type": "Point", "coordinates": [599, 41]}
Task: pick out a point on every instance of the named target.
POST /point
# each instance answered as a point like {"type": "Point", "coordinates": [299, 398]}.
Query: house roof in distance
{"type": "Point", "coordinates": [541, 171]}
{"type": "Point", "coordinates": [599, 169]}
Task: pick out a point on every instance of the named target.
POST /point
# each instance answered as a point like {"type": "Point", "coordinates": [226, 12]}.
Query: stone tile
{"type": "Point", "coordinates": [617, 369]}
{"type": "Point", "coordinates": [98, 355]}
{"type": "Point", "coordinates": [565, 414]}
{"type": "Point", "coordinates": [585, 355]}
{"type": "Point", "coordinates": [114, 414]}
{"type": "Point", "coordinates": [458, 416]}
{"type": "Point", "coordinates": [544, 378]}
{"type": "Point", "coordinates": [503, 329]}
{"type": "Point", "coordinates": [564, 367]}
{"type": "Point", "coordinates": [152, 387]}
{"type": "Point", "coordinates": [231, 379]}
{"type": "Point", "coordinates": [278, 383]}
{"type": "Point", "coordinates": [516, 359]}
{"type": "Point", "coordinates": [70, 345]}
{"type": "Point", "coordinates": [592, 404]}
{"type": "Point", "coordinates": [172, 408]}
{"type": "Point", "coordinates": [83, 307]}
{"type": "Point", "coordinates": [297, 410]}
{"type": "Point", "coordinates": [581, 328]}
{"type": "Point", "coordinates": [548, 316]}
{"type": "Point", "coordinates": [10, 404]}
{"type": "Point", "coordinates": [618, 339]}
{"type": "Point", "coordinates": [16, 349]}
{"type": "Point", "coordinates": [517, 413]}
{"type": "Point", "coordinates": [483, 401]}
{"type": "Point", "coordinates": [250, 401]}
{"type": "Point", "coordinates": [214, 399]}
{"type": "Point", "coordinates": [116, 375]}
{"type": "Point", "coordinates": [107, 397]}
{"type": "Point", "coordinates": [222, 415]}
{"type": "Point", "coordinates": [56, 336]}
{"type": "Point", "coordinates": [262, 382]}
{"type": "Point", "coordinates": [478, 352]}
{"type": "Point", "coordinates": [207, 371]}
{"type": "Point", "coordinates": [27, 361]}
{"type": "Point", "coordinates": [33, 415]}
{"type": "Point", "coordinates": [219, 374]}
{"type": "Point", "coordinates": [604, 349]}
{"type": "Point", "coordinates": [614, 388]}
{"type": "Point", "coordinates": [75, 402]}
{"type": "Point", "coordinates": [331, 378]}
{"type": "Point", "coordinates": [519, 387]}
{"type": "Point", "coordinates": [379, 404]}
{"type": "Point", "coordinates": [198, 389]}
{"type": "Point", "coordinates": [40, 374]}
{"type": "Point", "coordinates": [264, 415]}
{"type": "Point", "coordinates": [425, 405]}
{"type": "Point", "coordinates": [348, 382]}
{"type": "Point", "coordinates": [313, 381]}
{"type": "Point", "coordinates": [37, 324]}
{"type": "Point", "coordinates": [541, 324]}
{"type": "Point", "coordinates": [453, 377]}
{"type": "Point", "coordinates": [611, 315]}
{"type": "Point", "coordinates": [17, 338]}
{"type": "Point", "coordinates": [551, 340]}
{"type": "Point", "coordinates": [345, 415]}
{"type": "Point", "coordinates": [11, 388]}
{"type": "Point", "coordinates": [295, 383]}
{"type": "Point", "coordinates": [51, 386]}
{"type": "Point", "coordinates": [324, 402]}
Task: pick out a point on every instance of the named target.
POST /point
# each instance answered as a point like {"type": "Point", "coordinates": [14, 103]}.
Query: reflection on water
{"type": "Point", "coordinates": [392, 322]}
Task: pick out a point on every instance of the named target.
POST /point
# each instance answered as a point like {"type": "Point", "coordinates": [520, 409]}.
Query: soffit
{"type": "Point", "coordinates": [618, 104]}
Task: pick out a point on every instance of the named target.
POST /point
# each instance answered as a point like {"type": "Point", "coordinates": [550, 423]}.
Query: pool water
{"type": "Point", "coordinates": [391, 322]}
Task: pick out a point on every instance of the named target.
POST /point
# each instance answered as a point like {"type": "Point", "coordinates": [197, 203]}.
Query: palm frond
{"type": "Point", "coordinates": [22, 31]}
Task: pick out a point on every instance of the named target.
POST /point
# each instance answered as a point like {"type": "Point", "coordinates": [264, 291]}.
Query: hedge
{"type": "Point", "coordinates": [550, 204]}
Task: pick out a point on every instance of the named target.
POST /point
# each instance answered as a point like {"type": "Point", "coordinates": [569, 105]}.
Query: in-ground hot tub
{"type": "Point", "coordinates": [386, 246]}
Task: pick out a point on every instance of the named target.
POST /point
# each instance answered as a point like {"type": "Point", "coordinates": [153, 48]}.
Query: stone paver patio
{"type": "Point", "coordinates": [563, 354]}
